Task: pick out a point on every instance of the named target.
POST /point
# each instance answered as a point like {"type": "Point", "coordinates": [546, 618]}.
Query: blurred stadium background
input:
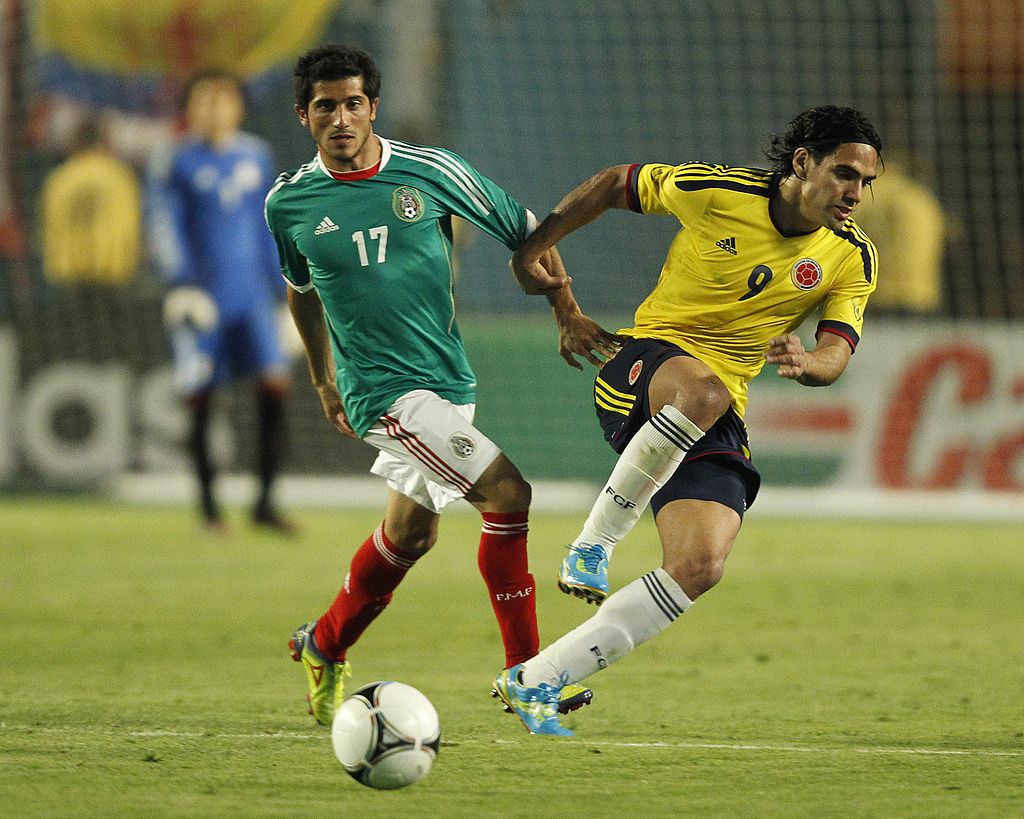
{"type": "Point", "coordinates": [538, 95]}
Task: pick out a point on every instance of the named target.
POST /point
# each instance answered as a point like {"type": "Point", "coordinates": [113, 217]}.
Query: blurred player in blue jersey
{"type": "Point", "coordinates": [364, 232]}
{"type": "Point", "coordinates": [759, 252]}
{"type": "Point", "coordinates": [211, 242]}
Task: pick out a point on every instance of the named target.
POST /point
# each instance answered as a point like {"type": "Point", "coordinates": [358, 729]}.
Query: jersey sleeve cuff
{"type": "Point", "coordinates": [303, 288]}
{"type": "Point", "coordinates": [632, 193]}
{"type": "Point", "coordinates": [531, 222]}
{"type": "Point", "coordinates": [840, 329]}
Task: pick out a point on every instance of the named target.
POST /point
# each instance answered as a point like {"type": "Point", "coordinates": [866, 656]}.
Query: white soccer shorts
{"type": "Point", "coordinates": [429, 449]}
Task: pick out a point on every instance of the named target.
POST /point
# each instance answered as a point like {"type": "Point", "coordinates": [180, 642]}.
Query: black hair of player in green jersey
{"type": "Point", "coordinates": [326, 63]}
{"type": "Point", "coordinates": [821, 130]}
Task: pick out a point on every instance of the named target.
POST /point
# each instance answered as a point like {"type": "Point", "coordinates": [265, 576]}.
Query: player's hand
{"type": "Point", "coordinates": [533, 278]}
{"type": "Point", "coordinates": [581, 335]}
{"type": "Point", "coordinates": [192, 307]}
{"type": "Point", "coordinates": [787, 351]}
{"type": "Point", "coordinates": [334, 409]}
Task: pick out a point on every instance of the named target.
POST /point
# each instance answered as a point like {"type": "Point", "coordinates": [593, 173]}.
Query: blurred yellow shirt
{"type": "Point", "coordinates": [909, 229]}
{"type": "Point", "coordinates": [91, 215]}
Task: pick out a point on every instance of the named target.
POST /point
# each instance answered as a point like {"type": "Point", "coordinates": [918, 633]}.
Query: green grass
{"type": "Point", "coordinates": [841, 669]}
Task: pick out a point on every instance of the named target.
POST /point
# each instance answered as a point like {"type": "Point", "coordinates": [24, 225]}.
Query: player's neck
{"type": "Point", "coordinates": [784, 209]}
{"type": "Point", "coordinates": [369, 156]}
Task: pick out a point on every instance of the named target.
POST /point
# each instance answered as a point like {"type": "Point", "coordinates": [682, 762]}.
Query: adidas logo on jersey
{"type": "Point", "coordinates": [326, 226]}
{"type": "Point", "coordinates": [727, 244]}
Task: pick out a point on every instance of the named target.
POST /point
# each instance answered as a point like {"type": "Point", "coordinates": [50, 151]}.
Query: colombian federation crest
{"type": "Point", "coordinates": [635, 370]}
{"type": "Point", "coordinates": [462, 446]}
{"type": "Point", "coordinates": [407, 204]}
{"type": "Point", "coordinates": [806, 274]}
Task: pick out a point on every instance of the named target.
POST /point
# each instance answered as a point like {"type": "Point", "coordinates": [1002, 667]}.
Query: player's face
{"type": "Point", "coordinates": [215, 108]}
{"type": "Point", "coordinates": [340, 117]}
{"type": "Point", "coordinates": [834, 187]}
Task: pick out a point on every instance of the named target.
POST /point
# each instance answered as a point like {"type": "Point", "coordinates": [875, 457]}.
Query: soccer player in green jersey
{"type": "Point", "coordinates": [364, 233]}
{"type": "Point", "coordinates": [761, 250]}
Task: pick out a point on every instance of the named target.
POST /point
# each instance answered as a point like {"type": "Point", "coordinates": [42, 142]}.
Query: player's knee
{"type": "Point", "coordinates": [501, 489]}
{"type": "Point", "coordinates": [274, 386]}
{"type": "Point", "coordinates": [703, 400]}
{"type": "Point", "coordinates": [414, 538]}
{"type": "Point", "coordinates": [514, 493]}
{"type": "Point", "coordinates": [199, 401]}
{"type": "Point", "coordinates": [709, 399]}
{"type": "Point", "coordinates": [692, 388]}
{"type": "Point", "coordinates": [697, 573]}
{"type": "Point", "coordinates": [416, 543]}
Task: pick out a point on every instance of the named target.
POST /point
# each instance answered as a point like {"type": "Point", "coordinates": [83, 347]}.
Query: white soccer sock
{"type": "Point", "coordinates": [648, 460]}
{"type": "Point", "coordinates": [631, 616]}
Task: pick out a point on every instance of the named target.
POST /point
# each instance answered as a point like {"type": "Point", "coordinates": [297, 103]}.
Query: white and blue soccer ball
{"type": "Point", "coordinates": [386, 735]}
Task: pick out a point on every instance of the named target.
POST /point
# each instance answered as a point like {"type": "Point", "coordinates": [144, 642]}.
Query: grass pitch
{"type": "Point", "coordinates": [841, 669]}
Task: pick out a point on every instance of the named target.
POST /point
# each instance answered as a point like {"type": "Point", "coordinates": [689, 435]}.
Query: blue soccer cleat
{"type": "Point", "coordinates": [571, 697]}
{"type": "Point", "coordinates": [536, 707]}
{"type": "Point", "coordinates": [584, 573]}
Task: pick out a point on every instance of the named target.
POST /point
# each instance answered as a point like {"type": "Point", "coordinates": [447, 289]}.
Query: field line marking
{"type": "Point", "coordinates": [723, 746]}
{"type": "Point", "coordinates": [711, 746]}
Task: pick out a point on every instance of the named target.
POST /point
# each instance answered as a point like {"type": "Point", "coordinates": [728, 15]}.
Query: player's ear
{"type": "Point", "coordinates": [373, 108]}
{"type": "Point", "coordinates": [303, 116]}
{"type": "Point", "coordinates": [801, 163]}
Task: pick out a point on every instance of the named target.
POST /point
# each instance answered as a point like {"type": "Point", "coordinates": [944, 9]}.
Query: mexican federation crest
{"type": "Point", "coordinates": [461, 445]}
{"type": "Point", "coordinates": [407, 204]}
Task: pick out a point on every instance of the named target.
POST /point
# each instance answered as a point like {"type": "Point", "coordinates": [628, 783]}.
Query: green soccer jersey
{"type": "Point", "coordinates": [376, 245]}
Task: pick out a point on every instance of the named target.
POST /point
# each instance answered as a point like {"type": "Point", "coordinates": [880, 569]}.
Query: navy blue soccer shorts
{"type": "Point", "coordinates": [717, 468]}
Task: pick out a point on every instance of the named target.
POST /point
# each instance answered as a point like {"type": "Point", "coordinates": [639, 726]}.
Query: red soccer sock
{"type": "Point", "coordinates": [505, 567]}
{"type": "Point", "coordinates": [377, 568]}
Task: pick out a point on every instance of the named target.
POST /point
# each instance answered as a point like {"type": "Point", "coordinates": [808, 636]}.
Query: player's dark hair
{"type": "Point", "coordinates": [327, 63]}
{"type": "Point", "coordinates": [821, 130]}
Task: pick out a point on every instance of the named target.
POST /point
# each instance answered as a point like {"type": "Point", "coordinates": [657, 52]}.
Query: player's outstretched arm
{"type": "Point", "coordinates": [605, 189]}
{"type": "Point", "coordinates": [578, 334]}
{"type": "Point", "coordinates": [812, 368]}
{"type": "Point", "coordinates": [308, 314]}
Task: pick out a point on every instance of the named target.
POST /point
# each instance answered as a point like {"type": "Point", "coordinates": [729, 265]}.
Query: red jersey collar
{"type": "Point", "coordinates": [365, 173]}
{"type": "Point", "coordinates": [353, 176]}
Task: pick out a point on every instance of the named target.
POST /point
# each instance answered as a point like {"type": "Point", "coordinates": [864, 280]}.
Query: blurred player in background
{"type": "Point", "coordinates": [91, 237]}
{"type": "Point", "coordinates": [760, 251]}
{"type": "Point", "coordinates": [211, 242]}
{"type": "Point", "coordinates": [91, 214]}
{"type": "Point", "coordinates": [364, 233]}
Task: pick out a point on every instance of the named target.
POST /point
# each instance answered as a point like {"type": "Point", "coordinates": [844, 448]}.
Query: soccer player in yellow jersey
{"type": "Point", "coordinates": [759, 252]}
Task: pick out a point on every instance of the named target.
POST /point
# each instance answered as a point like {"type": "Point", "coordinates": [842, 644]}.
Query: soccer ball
{"type": "Point", "coordinates": [386, 735]}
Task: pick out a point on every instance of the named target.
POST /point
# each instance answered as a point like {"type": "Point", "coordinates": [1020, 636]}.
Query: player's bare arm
{"type": "Point", "coordinates": [578, 334]}
{"type": "Point", "coordinates": [812, 368]}
{"type": "Point", "coordinates": [605, 189]}
{"type": "Point", "coordinates": [308, 314]}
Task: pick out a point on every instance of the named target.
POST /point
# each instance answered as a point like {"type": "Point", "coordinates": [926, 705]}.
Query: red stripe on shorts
{"type": "Point", "coordinates": [424, 454]}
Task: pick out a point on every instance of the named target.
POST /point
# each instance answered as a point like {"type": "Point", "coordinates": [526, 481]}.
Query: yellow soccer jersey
{"type": "Point", "coordinates": [732, 281]}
